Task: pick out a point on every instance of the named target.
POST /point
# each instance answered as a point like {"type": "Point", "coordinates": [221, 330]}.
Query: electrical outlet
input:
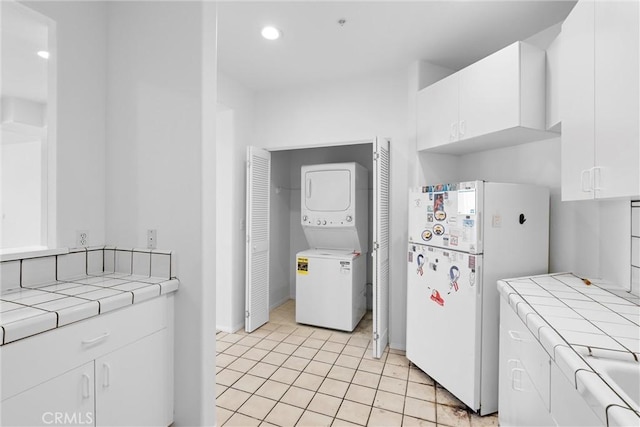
{"type": "Point", "coordinates": [82, 238]}
{"type": "Point", "coordinates": [152, 236]}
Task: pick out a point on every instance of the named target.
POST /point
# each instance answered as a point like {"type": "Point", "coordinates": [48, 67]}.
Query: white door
{"type": "Point", "coordinates": [257, 251]}
{"type": "Point", "coordinates": [380, 252]}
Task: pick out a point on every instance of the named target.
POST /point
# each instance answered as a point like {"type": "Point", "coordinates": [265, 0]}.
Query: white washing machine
{"type": "Point", "coordinates": [330, 288]}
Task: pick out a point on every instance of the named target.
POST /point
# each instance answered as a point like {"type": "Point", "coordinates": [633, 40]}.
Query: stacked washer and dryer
{"type": "Point", "coordinates": [331, 275]}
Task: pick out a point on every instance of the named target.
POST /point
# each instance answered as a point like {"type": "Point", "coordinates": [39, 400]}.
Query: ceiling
{"type": "Point", "coordinates": [377, 36]}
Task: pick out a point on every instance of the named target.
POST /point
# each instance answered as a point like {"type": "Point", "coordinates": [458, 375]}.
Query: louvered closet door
{"type": "Point", "coordinates": [380, 251]}
{"type": "Point", "coordinates": [257, 251]}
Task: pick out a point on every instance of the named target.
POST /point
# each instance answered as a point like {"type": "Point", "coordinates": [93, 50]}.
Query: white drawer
{"type": "Point", "coordinates": [31, 361]}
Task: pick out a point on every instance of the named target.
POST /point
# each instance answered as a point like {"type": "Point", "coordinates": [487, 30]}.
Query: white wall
{"type": "Point", "coordinates": [81, 117]}
{"type": "Point", "coordinates": [159, 84]}
{"type": "Point", "coordinates": [280, 232]}
{"type": "Point", "coordinates": [351, 110]}
{"type": "Point", "coordinates": [230, 193]}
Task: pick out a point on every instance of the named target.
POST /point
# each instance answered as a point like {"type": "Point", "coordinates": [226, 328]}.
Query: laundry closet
{"type": "Point", "coordinates": [296, 241]}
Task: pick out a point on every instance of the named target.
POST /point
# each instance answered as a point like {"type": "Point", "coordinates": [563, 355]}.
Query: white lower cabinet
{"type": "Point", "coordinates": [67, 399]}
{"type": "Point", "coordinates": [567, 405]}
{"type": "Point", "coordinates": [523, 375]}
{"type": "Point", "coordinates": [114, 369]}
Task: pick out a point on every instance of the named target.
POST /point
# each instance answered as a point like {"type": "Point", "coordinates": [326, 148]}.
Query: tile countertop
{"type": "Point", "coordinates": [27, 311]}
{"type": "Point", "coordinates": [575, 323]}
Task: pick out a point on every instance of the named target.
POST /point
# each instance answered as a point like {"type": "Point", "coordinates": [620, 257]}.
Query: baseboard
{"type": "Point", "coordinates": [279, 303]}
{"type": "Point", "coordinates": [230, 329]}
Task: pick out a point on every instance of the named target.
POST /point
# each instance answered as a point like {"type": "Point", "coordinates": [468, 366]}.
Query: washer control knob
{"type": "Point", "coordinates": [318, 222]}
{"type": "Point", "coordinates": [324, 222]}
{"type": "Point", "coordinates": [349, 218]}
{"type": "Point", "coordinates": [305, 218]}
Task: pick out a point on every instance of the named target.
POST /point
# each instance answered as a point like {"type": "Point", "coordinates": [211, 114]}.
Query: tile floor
{"type": "Point", "coordinates": [286, 374]}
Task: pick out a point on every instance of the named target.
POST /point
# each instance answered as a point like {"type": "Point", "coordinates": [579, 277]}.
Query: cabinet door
{"type": "Point", "coordinates": [617, 100]}
{"type": "Point", "coordinates": [568, 407]}
{"type": "Point", "coordinates": [577, 102]}
{"type": "Point", "coordinates": [133, 384]}
{"type": "Point", "coordinates": [490, 94]}
{"type": "Point", "coordinates": [437, 111]}
{"type": "Point", "coordinates": [64, 400]}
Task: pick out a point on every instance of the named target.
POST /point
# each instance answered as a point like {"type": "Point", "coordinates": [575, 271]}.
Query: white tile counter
{"type": "Point", "coordinates": [580, 323]}
{"type": "Point", "coordinates": [43, 293]}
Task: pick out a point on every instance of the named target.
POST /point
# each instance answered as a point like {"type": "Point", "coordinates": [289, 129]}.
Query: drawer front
{"type": "Point", "coordinates": [32, 361]}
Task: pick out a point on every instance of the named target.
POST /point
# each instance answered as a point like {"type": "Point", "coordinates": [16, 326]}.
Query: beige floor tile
{"type": "Point", "coordinates": [325, 404]}
{"type": "Point", "coordinates": [361, 394]}
{"type": "Point", "coordinates": [297, 363]}
{"type": "Point", "coordinates": [333, 347]}
{"type": "Point", "coordinates": [352, 350]}
{"type": "Point", "coordinates": [348, 361]}
{"type": "Point", "coordinates": [260, 333]}
{"type": "Point", "coordinates": [218, 369]}
{"type": "Point", "coordinates": [237, 350]}
{"type": "Point", "coordinates": [444, 397]}
{"type": "Point", "coordinates": [227, 377]}
{"type": "Point", "coordinates": [366, 379]}
{"type": "Point", "coordinates": [297, 396]}
{"type": "Point", "coordinates": [249, 383]}
{"type": "Point", "coordinates": [340, 337]}
{"type": "Point", "coordinates": [240, 420]}
{"type": "Point", "coordinates": [453, 417]}
{"type": "Point", "coordinates": [318, 368]}
{"type": "Point", "coordinates": [393, 385]}
{"type": "Point", "coordinates": [268, 327]}
{"type": "Point", "coordinates": [222, 345]}
{"type": "Point", "coordinates": [266, 424]}
{"type": "Point", "coordinates": [223, 360]}
{"type": "Point", "coordinates": [284, 415]}
{"type": "Point", "coordinates": [397, 359]}
{"type": "Point", "coordinates": [368, 355]}
{"type": "Point", "coordinates": [421, 391]}
{"type": "Point", "coordinates": [313, 419]}
{"type": "Point", "coordinates": [255, 354]}
{"type": "Point", "coordinates": [389, 401]}
{"type": "Point", "coordinates": [395, 371]}
{"type": "Point", "coordinates": [285, 375]}
{"type": "Point", "coordinates": [334, 387]}
{"type": "Point", "coordinates": [321, 334]}
{"type": "Point", "coordinates": [302, 331]}
{"type": "Point", "coordinates": [264, 370]}
{"type": "Point", "coordinates": [372, 366]}
{"type": "Point", "coordinates": [313, 343]}
{"type": "Point", "coordinates": [308, 381]}
{"type": "Point", "coordinates": [276, 336]}
{"type": "Point", "coordinates": [396, 351]}
{"type": "Point", "coordinates": [286, 329]}
{"type": "Point", "coordinates": [381, 418]}
{"type": "Point", "coordinates": [273, 358]}
{"type": "Point", "coordinates": [342, 423]}
{"type": "Point", "coordinates": [359, 342]}
{"type": "Point", "coordinates": [241, 364]}
{"type": "Point", "coordinates": [294, 339]}
{"type": "Point", "coordinates": [305, 352]}
{"type": "Point", "coordinates": [272, 390]}
{"type": "Point", "coordinates": [486, 421]}
{"type": "Point", "coordinates": [266, 344]}
{"type": "Point", "coordinates": [233, 338]}
{"type": "Point", "coordinates": [417, 376]}
{"type": "Point", "coordinates": [257, 407]}
{"type": "Point", "coordinates": [232, 399]}
{"type": "Point", "coordinates": [354, 412]}
{"type": "Point", "coordinates": [222, 415]}
{"type": "Point", "coordinates": [420, 409]}
{"type": "Point", "coordinates": [408, 421]}
{"type": "Point", "coordinates": [220, 389]}
{"type": "Point", "coordinates": [285, 348]}
{"type": "Point", "coordinates": [326, 356]}
{"type": "Point", "coordinates": [341, 373]}
{"type": "Point", "coordinates": [249, 341]}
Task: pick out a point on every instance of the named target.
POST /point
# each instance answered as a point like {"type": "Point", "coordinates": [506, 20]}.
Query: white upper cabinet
{"type": "Point", "coordinates": [600, 100]}
{"type": "Point", "coordinates": [495, 102]}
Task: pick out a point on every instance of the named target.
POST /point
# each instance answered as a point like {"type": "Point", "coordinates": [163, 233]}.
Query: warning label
{"type": "Point", "coordinates": [303, 265]}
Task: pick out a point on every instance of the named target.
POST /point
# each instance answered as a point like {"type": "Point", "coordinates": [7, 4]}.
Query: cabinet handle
{"type": "Point", "coordinates": [588, 187]}
{"type": "Point", "coordinates": [308, 188]}
{"type": "Point", "coordinates": [515, 335]}
{"type": "Point", "coordinates": [96, 339]}
{"type": "Point", "coordinates": [513, 379]}
{"type": "Point", "coordinates": [106, 375]}
{"type": "Point", "coordinates": [597, 175]}
{"type": "Point", "coordinates": [86, 386]}
{"type": "Point", "coordinates": [462, 127]}
{"type": "Point", "coordinates": [453, 135]}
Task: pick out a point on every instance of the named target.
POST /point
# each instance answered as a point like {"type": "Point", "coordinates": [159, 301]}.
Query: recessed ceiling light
{"type": "Point", "coordinates": [271, 33]}
{"type": "Point", "coordinates": [43, 54]}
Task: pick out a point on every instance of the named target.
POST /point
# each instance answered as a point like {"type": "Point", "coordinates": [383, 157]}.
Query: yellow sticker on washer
{"type": "Point", "coordinates": [303, 265]}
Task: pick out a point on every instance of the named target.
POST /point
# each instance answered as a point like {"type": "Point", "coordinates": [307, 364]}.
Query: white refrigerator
{"type": "Point", "coordinates": [463, 237]}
